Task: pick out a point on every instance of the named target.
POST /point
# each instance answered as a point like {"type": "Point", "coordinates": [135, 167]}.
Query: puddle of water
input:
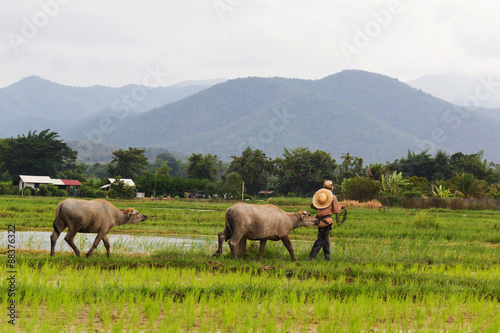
{"type": "Point", "coordinates": [38, 240]}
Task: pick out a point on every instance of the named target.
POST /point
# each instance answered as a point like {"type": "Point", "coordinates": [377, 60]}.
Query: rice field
{"type": "Point", "coordinates": [391, 270]}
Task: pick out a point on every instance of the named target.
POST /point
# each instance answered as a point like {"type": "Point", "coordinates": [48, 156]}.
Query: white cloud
{"type": "Point", "coordinates": [112, 42]}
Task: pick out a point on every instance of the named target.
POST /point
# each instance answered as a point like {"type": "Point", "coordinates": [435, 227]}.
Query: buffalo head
{"type": "Point", "coordinates": [307, 220]}
{"type": "Point", "coordinates": [133, 216]}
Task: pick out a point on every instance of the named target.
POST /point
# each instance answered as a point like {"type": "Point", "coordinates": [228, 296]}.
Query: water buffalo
{"type": "Point", "coordinates": [95, 216]}
{"type": "Point", "coordinates": [257, 222]}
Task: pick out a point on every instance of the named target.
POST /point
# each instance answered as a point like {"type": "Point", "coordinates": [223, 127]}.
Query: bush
{"type": "Point", "coordinates": [360, 188]}
{"type": "Point", "coordinates": [119, 190]}
{"type": "Point", "coordinates": [86, 191]}
{"type": "Point", "coordinates": [416, 186]}
{"type": "Point", "coordinates": [62, 193]}
{"type": "Point", "coordinates": [44, 191]}
{"type": "Point", "coordinates": [423, 220]}
{"type": "Point", "coordinates": [48, 190]}
{"type": "Point", "coordinates": [27, 191]}
{"type": "Point", "coordinates": [8, 188]}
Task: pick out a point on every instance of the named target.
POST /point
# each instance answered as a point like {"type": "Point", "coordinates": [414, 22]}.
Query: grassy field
{"type": "Point", "coordinates": [391, 270]}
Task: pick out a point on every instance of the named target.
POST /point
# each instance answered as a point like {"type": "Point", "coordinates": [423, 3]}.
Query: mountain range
{"type": "Point", "coordinates": [36, 104]}
{"type": "Point", "coordinates": [480, 93]}
{"type": "Point", "coordinates": [364, 114]}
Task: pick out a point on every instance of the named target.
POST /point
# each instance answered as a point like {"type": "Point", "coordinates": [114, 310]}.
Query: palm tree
{"type": "Point", "coordinates": [467, 185]}
{"type": "Point", "coordinates": [375, 171]}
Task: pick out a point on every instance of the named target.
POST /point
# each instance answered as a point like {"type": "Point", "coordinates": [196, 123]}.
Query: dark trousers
{"type": "Point", "coordinates": [322, 242]}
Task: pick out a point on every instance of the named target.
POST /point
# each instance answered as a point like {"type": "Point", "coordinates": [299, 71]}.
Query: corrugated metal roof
{"type": "Point", "coordinates": [127, 181]}
{"type": "Point", "coordinates": [36, 179]}
{"type": "Point", "coordinates": [71, 182]}
{"type": "Point", "coordinates": [57, 182]}
{"type": "Point", "coordinates": [44, 180]}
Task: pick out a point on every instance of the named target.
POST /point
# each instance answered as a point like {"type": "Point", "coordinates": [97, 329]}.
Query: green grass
{"type": "Point", "coordinates": [397, 270]}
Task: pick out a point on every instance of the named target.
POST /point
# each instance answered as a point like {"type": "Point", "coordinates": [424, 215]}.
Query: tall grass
{"type": "Point", "coordinates": [56, 296]}
{"type": "Point", "coordinates": [445, 203]}
{"type": "Point", "coordinates": [392, 270]}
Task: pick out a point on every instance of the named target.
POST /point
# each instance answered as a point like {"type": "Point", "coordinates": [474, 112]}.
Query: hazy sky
{"type": "Point", "coordinates": [161, 42]}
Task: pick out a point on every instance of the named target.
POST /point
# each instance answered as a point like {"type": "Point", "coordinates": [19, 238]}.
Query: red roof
{"type": "Point", "coordinates": [71, 182]}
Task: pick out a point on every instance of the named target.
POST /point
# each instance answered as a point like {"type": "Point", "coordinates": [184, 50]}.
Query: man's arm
{"type": "Point", "coordinates": [336, 206]}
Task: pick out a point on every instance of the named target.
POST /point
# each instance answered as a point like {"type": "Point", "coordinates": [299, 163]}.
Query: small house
{"type": "Point", "coordinates": [128, 182]}
{"type": "Point", "coordinates": [37, 181]}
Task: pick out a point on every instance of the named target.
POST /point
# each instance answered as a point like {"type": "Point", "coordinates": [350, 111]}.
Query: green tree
{"type": "Point", "coordinates": [76, 173]}
{"type": "Point", "coordinates": [302, 172]}
{"type": "Point", "coordinates": [350, 167]}
{"type": "Point", "coordinates": [393, 183]}
{"type": "Point", "coordinates": [375, 171]}
{"type": "Point", "coordinates": [473, 164]}
{"type": "Point", "coordinates": [178, 169]}
{"type": "Point", "coordinates": [254, 168]}
{"type": "Point", "coordinates": [493, 191]}
{"type": "Point", "coordinates": [97, 170]}
{"type": "Point", "coordinates": [443, 168]}
{"type": "Point", "coordinates": [440, 191]}
{"type": "Point", "coordinates": [416, 186]}
{"type": "Point", "coordinates": [127, 163]}
{"type": "Point", "coordinates": [119, 189]}
{"type": "Point", "coordinates": [36, 154]}
{"type": "Point", "coordinates": [468, 186]}
{"type": "Point", "coordinates": [3, 148]}
{"type": "Point", "coordinates": [360, 188]}
{"type": "Point", "coordinates": [233, 183]}
{"type": "Point", "coordinates": [420, 165]}
{"type": "Point", "coordinates": [203, 167]}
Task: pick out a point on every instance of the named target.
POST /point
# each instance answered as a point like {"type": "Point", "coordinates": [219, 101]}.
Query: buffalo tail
{"type": "Point", "coordinates": [228, 232]}
{"type": "Point", "coordinates": [58, 224]}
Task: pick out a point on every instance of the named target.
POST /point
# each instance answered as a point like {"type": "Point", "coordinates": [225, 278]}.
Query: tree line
{"type": "Point", "coordinates": [298, 172]}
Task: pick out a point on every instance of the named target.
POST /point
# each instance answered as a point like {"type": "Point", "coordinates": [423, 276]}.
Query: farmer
{"type": "Point", "coordinates": [326, 204]}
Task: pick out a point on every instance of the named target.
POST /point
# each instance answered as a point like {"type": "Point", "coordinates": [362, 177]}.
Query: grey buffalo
{"type": "Point", "coordinates": [94, 216]}
{"type": "Point", "coordinates": [260, 222]}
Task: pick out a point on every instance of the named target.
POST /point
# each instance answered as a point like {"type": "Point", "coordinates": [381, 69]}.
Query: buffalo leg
{"type": "Point", "coordinates": [105, 240]}
{"type": "Point", "coordinates": [100, 236]}
{"type": "Point", "coordinates": [234, 244]}
{"type": "Point", "coordinates": [221, 238]}
{"type": "Point", "coordinates": [234, 250]}
{"type": "Point", "coordinates": [262, 247]}
{"type": "Point", "coordinates": [53, 240]}
{"type": "Point", "coordinates": [288, 245]}
{"type": "Point", "coordinates": [69, 239]}
{"type": "Point", "coordinates": [242, 246]}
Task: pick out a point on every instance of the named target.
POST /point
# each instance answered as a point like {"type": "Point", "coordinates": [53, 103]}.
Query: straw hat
{"type": "Point", "coordinates": [322, 198]}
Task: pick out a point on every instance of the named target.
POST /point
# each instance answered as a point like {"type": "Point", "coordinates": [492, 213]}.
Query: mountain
{"type": "Point", "coordinates": [480, 91]}
{"type": "Point", "coordinates": [209, 82]}
{"type": "Point", "coordinates": [365, 114]}
{"type": "Point", "coordinates": [36, 104]}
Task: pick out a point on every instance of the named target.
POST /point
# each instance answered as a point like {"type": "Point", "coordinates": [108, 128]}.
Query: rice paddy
{"type": "Point", "coordinates": [391, 270]}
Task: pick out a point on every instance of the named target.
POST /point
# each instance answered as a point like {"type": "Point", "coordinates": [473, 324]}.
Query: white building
{"type": "Point", "coordinates": [128, 182]}
{"type": "Point", "coordinates": [36, 181]}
